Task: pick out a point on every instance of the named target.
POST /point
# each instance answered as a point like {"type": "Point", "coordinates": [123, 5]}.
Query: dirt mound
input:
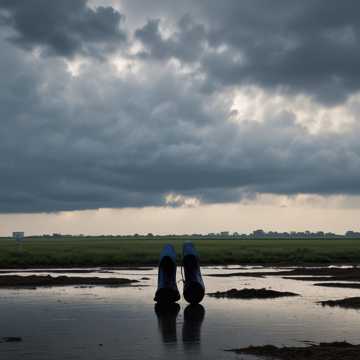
{"type": "Point", "coordinates": [323, 351]}
{"type": "Point", "coordinates": [11, 339]}
{"type": "Point", "coordinates": [251, 294]}
{"type": "Point", "coordinates": [304, 274]}
{"type": "Point", "coordinates": [349, 303]}
{"type": "Point", "coordinates": [39, 280]}
{"type": "Point", "coordinates": [340, 285]}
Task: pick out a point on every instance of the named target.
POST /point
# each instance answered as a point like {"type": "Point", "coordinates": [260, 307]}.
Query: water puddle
{"type": "Point", "coordinates": [123, 323]}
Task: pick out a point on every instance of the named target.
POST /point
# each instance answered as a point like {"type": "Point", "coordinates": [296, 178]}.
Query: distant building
{"type": "Point", "coordinates": [258, 233]}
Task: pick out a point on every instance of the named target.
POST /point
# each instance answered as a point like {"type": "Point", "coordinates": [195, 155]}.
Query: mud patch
{"type": "Point", "coordinates": [11, 339]}
{"type": "Point", "coordinates": [130, 268]}
{"type": "Point", "coordinates": [311, 278]}
{"type": "Point", "coordinates": [54, 271]}
{"type": "Point", "coordinates": [246, 274]}
{"type": "Point", "coordinates": [340, 285]}
{"type": "Point", "coordinates": [323, 274]}
{"type": "Point", "coordinates": [348, 303]}
{"type": "Point", "coordinates": [305, 274]}
{"type": "Point", "coordinates": [32, 281]}
{"type": "Point", "coordinates": [251, 294]}
{"type": "Point", "coordinates": [323, 351]}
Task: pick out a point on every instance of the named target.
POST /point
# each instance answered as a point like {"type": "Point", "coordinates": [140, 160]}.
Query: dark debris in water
{"type": "Point", "coordinates": [31, 281]}
{"type": "Point", "coordinates": [348, 303]}
{"type": "Point", "coordinates": [323, 351]}
{"type": "Point", "coordinates": [11, 339]}
{"type": "Point", "coordinates": [251, 294]}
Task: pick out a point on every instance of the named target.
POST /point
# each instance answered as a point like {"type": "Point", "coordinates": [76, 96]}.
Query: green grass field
{"type": "Point", "coordinates": [95, 251]}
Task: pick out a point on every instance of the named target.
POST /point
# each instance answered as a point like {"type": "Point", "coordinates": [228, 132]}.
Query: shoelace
{"type": "Point", "coordinates": [182, 274]}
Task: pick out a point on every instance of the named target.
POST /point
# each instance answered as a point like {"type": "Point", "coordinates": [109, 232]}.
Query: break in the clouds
{"type": "Point", "coordinates": [193, 102]}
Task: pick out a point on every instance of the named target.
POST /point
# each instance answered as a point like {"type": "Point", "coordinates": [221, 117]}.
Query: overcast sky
{"type": "Point", "coordinates": [179, 116]}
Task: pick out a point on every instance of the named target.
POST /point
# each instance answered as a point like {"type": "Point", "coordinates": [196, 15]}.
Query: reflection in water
{"type": "Point", "coordinates": [167, 315]}
{"type": "Point", "coordinates": [191, 330]}
{"type": "Point", "coordinates": [193, 318]}
{"type": "Point", "coordinates": [82, 318]}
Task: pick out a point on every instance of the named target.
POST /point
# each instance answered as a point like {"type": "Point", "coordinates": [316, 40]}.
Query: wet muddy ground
{"type": "Point", "coordinates": [251, 294]}
{"type": "Point", "coordinates": [8, 281]}
{"type": "Point", "coordinates": [348, 303]}
{"type": "Point", "coordinates": [346, 273]}
{"type": "Point", "coordinates": [98, 322]}
{"type": "Point", "coordinates": [340, 285]}
{"type": "Point", "coordinates": [322, 351]}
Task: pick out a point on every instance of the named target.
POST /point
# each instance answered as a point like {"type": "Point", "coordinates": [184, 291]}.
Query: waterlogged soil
{"type": "Point", "coordinates": [306, 274]}
{"type": "Point", "coordinates": [132, 268]}
{"type": "Point", "coordinates": [54, 271]}
{"type": "Point", "coordinates": [340, 285]}
{"type": "Point", "coordinates": [322, 351]}
{"type": "Point", "coordinates": [245, 274]}
{"type": "Point", "coordinates": [251, 294]}
{"type": "Point", "coordinates": [10, 339]}
{"type": "Point", "coordinates": [41, 280]}
{"type": "Point", "coordinates": [106, 270]}
{"type": "Point", "coordinates": [121, 322]}
{"type": "Point", "coordinates": [348, 303]}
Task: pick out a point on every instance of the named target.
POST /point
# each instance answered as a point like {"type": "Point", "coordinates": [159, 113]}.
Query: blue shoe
{"type": "Point", "coordinates": [194, 288]}
{"type": "Point", "coordinates": [167, 291]}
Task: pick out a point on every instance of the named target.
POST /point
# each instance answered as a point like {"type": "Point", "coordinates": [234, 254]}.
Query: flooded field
{"type": "Point", "coordinates": [99, 322]}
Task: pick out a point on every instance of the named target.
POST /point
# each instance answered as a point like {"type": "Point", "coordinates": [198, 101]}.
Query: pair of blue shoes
{"type": "Point", "coordinates": [167, 291]}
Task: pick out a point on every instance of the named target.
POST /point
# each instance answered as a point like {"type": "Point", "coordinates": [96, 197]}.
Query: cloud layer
{"type": "Point", "coordinates": [208, 103]}
{"type": "Point", "coordinates": [310, 47]}
{"type": "Point", "coordinates": [63, 28]}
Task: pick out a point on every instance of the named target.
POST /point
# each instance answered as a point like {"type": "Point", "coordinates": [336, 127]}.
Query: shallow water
{"type": "Point", "coordinates": [122, 323]}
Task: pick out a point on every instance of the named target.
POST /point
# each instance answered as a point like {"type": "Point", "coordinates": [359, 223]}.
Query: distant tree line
{"type": "Point", "coordinates": [256, 234]}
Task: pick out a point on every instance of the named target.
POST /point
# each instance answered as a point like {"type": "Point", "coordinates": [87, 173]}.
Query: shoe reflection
{"type": "Point", "coordinates": [191, 332]}
{"type": "Point", "coordinates": [166, 315]}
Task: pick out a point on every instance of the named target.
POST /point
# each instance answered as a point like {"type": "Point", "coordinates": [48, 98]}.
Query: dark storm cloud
{"type": "Point", "coordinates": [68, 143]}
{"type": "Point", "coordinates": [107, 140]}
{"type": "Point", "coordinates": [65, 27]}
{"type": "Point", "coordinates": [310, 47]}
{"type": "Point", "coordinates": [185, 44]}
